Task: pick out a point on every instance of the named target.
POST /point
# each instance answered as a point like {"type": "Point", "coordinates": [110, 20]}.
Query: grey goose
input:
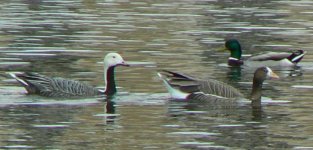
{"type": "Point", "coordinates": [212, 91]}
{"type": "Point", "coordinates": [42, 85]}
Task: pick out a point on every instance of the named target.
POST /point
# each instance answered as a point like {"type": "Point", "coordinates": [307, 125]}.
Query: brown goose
{"type": "Point", "coordinates": [58, 87]}
{"type": "Point", "coordinates": [212, 91]}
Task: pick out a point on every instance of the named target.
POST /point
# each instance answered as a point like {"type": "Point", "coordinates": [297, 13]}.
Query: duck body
{"type": "Point", "coordinates": [270, 59]}
{"type": "Point", "coordinates": [212, 91]}
{"type": "Point", "coordinates": [58, 87]}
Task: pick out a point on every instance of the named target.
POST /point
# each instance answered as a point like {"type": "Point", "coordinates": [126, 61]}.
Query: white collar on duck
{"type": "Point", "coordinates": [232, 58]}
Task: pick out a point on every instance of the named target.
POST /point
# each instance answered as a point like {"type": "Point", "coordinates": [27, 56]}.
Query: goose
{"type": "Point", "coordinates": [42, 85]}
{"type": "Point", "coordinates": [184, 87]}
{"type": "Point", "coordinates": [268, 59]}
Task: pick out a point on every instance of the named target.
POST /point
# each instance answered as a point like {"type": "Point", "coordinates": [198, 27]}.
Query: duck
{"type": "Point", "coordinates": [210, 91]}
{"type": "Point", "coordinates": [58, 87]}
{"type": "Point", "coordinates": [271, 59]}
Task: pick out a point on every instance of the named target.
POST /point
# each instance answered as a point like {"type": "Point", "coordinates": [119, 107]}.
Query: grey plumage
{"type": "Point", "coordinates": [202, 90]}
{"type": "Point", "coordinates": [218, 88]}
{"type": "Point", "coordinates": [54, 87]}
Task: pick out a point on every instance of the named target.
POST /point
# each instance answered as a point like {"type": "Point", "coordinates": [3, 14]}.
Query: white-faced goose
{"type": "Point", "coordinates": [268, 59]}
{"type": "Point", "coordinates": [212, 91]}
{"type": "Point", "coordinates": [58, 87]}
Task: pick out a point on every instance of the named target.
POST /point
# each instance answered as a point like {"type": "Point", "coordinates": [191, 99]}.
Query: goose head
{"type": "Point", "coordinates": [114, 59]}
{"type": "Point", "coordinates": [264, 73]}
{"type": "Point", "coordinates": [234, 47]}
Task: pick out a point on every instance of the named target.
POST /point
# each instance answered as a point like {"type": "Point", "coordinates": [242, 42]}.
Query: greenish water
{"type": "Point", "coordinates": [69, 39]}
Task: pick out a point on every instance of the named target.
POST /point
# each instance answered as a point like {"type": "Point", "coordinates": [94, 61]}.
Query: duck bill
{"type": "Point", "coordinates": [273, 75]}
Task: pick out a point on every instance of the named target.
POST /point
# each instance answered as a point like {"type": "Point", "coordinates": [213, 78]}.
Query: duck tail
{"type": "Point", "coordinates": [296, 56]}
{"type": "Point", "coordinates": [174, 92]}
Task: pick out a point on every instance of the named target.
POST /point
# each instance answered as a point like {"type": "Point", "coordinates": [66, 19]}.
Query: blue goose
{"type": "Point", "coordinates": [35, 83]}
{"type": "Point", "coordinates": [268, 59]}
{"type": "Point", "coordinates": [212, 91]}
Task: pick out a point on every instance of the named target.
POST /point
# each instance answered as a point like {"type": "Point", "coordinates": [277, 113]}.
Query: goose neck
{"type": "Point", "coordinates": [256, 93]}
{"type": "Point", "coordinates": [110, 87]}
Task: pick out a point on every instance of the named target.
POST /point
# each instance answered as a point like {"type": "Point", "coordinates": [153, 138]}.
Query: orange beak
{"type": "Point", "coordinates": [273, 75]}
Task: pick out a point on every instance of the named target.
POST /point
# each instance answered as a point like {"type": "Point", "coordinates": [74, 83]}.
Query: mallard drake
{"type": "Point", "coordinates": [212, 91]}
{"type": "Point", "coordinates": [42, 85]}
{"type": "Point", "coordinates": [269, 59]}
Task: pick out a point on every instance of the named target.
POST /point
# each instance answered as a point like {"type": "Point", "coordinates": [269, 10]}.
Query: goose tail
{"type": "Point", "coordinates": [174, 92]}
{"type": "Point", "coordinates": [16, 76]}
{"type": "Point", "coordinates": [29, 80]}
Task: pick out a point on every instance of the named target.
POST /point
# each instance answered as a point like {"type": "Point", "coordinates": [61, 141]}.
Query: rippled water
{"type": "Point", "coordinates": [69, 38]}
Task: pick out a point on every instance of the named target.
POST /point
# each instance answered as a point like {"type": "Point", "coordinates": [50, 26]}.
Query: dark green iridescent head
{"type": "Point", "coordinates": [234, 47]}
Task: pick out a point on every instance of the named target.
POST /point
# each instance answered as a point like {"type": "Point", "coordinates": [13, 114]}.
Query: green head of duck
{"type": "Point", "coordinates": [234, 47]}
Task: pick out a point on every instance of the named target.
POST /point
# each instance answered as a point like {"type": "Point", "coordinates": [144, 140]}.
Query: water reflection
{"type": "Point", "coordinates": [234, 74]}
{"type": "Point", "coordinates": [53, 122]}
{"type": "Point", "coordinates": [201, 128]}
{"type": "Point", "coordinates": [110, 107]}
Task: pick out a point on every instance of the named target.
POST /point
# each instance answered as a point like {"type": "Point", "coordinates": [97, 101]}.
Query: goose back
{"type": "Point", "coordinates": [55, 87]}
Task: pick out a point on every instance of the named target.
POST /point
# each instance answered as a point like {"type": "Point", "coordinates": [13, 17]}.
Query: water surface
{"type": "Point", "coordinates": [69, 39]}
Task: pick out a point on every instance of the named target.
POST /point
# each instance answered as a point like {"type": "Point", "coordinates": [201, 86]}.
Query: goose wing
{"type": "Point", "coordinates": [218, 88]}
{"type": "Point", "coordinates": [53, 87]}
{"type": "Point", "coordinates": [181, 82]}
{"type": "Point", "coordinates": [206, 88]}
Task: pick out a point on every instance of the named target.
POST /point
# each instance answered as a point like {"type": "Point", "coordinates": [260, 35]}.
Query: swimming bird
{"type": "Point", "coordinates": [212, 91]}
{"type": "Point", "coordinates": [42, 85]}
{"type": "Point", "coordinates": [268, 59]}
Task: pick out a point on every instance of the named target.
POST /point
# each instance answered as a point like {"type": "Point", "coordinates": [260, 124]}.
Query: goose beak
{"type": "Point", "coordinates": [273, 75]}
{"type": "Point", "coordinates": [124, 64]}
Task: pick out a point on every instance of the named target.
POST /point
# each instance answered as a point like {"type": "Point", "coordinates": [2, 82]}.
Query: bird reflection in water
{"type": "Point", "coordinates": [234, 74]}
{"type": "Point", "coordinates": [181, 109]}
{"type": "Point", "coordinates": [109, 115]}
{"type": "Point", "coordinates": [110, 107]}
